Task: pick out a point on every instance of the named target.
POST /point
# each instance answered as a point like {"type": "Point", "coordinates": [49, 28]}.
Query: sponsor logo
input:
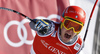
{"type": "Point", "coordinates": [80, 13]}
{"type": "Point", "coordinates": [51, 48]}
{"type": "Point", "coordinates": [77, 46]}
{"type": "Point", "coordinates": [62, 46]}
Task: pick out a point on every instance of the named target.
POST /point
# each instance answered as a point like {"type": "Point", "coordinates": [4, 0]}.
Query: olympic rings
{"type": "Point", "coordinates": [21, 26]}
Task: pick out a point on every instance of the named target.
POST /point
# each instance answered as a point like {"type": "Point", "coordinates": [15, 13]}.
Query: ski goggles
{"type": "Point", "coordinates": [68, 23]}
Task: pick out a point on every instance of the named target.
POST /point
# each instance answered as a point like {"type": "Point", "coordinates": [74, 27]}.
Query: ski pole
{"type": "Point", "coordinates": [17, 13]}
{"type": "Point", "coordinates": [89, 20]}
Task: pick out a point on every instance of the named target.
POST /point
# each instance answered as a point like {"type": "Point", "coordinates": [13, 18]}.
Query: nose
{"type": "Point", "coordinates": [71, 30]}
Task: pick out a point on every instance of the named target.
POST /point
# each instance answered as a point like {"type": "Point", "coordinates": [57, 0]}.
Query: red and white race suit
{"type": "Point", "coordinates": [52, 44]}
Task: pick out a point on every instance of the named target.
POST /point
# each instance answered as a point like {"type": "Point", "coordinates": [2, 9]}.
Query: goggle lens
{"type": "Point", "coordinates": [72, 24]}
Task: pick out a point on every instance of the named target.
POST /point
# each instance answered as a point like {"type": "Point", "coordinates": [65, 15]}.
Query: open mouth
{"type": "Point", "coordinates": [67, 35]}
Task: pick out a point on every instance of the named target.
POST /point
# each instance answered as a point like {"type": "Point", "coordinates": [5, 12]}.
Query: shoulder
{"type": "Point", "coordinates": [80, 39]}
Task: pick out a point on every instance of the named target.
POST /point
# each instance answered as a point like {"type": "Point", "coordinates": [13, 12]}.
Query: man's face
{"type": "Point", "coordinates": [67, 35]}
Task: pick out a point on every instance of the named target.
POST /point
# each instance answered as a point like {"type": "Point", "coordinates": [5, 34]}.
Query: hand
{"type": "Point", "coordinates": [42, 26]}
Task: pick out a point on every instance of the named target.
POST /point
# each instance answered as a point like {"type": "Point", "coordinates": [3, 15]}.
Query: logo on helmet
{"type": "Point", "coordinates": [80, 13]}
{"type": "Point", "coordinates": [76, 16]}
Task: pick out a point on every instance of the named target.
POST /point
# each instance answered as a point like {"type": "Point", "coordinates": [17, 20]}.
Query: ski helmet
{"type": "Point", "coordinates": [74, 12]}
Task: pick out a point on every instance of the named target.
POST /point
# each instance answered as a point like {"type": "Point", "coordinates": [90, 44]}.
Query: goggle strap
{"type": "Point", "coordinates": [62, 19]}
{"type": "Point", "coordinates": [61, 25]}
{"type": "Point", "coordinates": [66, 17]}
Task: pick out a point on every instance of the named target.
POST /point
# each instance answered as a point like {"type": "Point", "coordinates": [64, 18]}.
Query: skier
{"type": "Point", "coordinates": [59, 38]}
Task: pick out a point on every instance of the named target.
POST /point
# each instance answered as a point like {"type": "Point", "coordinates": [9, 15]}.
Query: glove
{"type": "Point", "coordinates": [42, 26]}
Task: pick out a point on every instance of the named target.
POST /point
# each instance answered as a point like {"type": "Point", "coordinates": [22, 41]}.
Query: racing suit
{"type": "Point", "coordinates": [51, 43]}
